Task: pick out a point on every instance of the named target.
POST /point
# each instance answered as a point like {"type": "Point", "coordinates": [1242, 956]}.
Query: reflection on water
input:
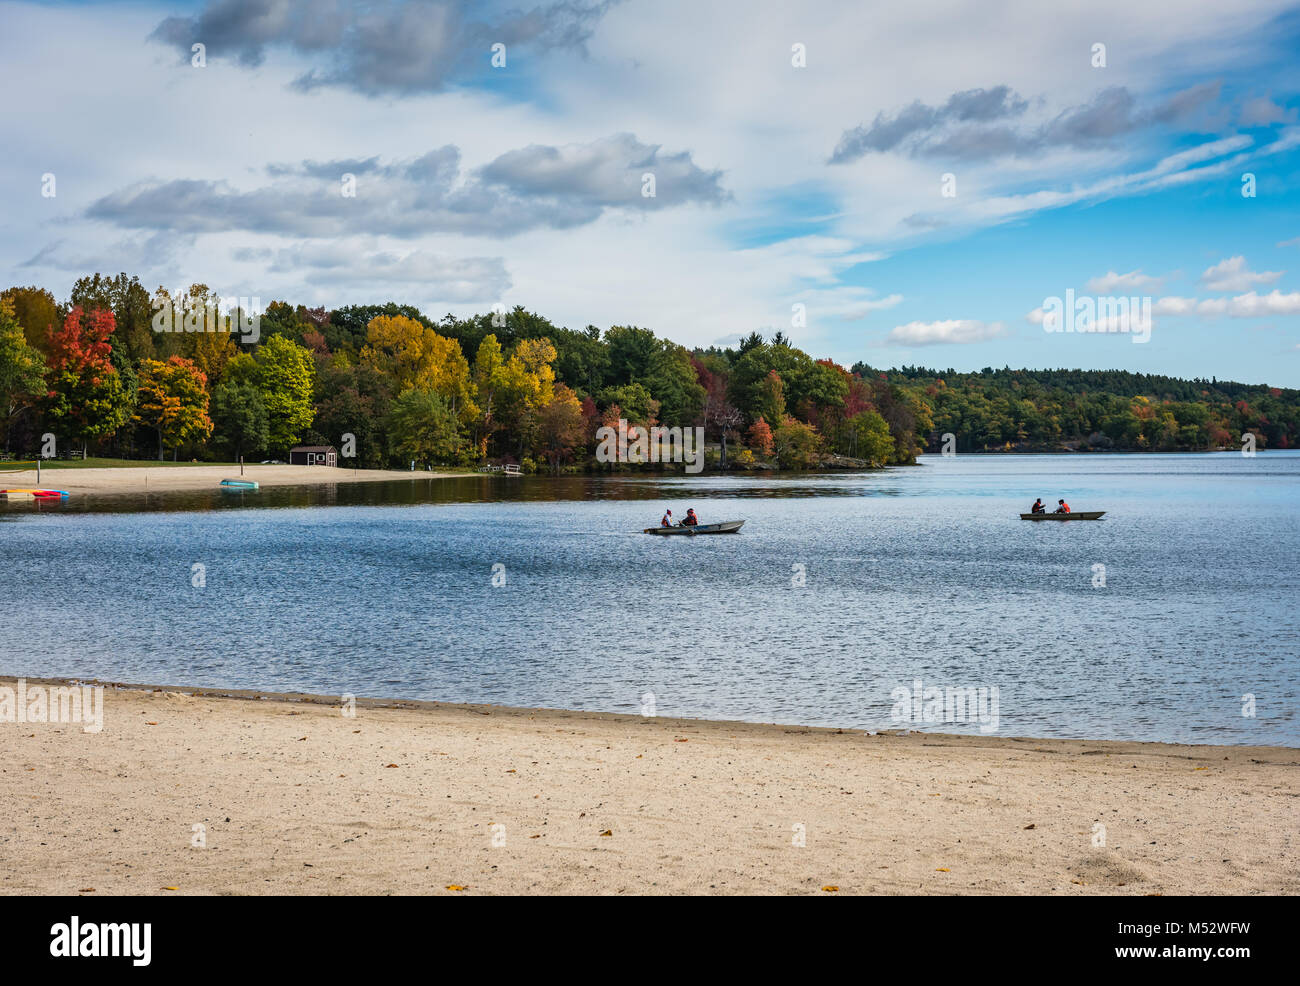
{"type": "Point", "coordinates": [473, 489]}
{"type": "Point", "coordinates": [841, 588]}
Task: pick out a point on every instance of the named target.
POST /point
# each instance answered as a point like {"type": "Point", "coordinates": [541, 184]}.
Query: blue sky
{"type": "Point", "coordinates": [776, 184]}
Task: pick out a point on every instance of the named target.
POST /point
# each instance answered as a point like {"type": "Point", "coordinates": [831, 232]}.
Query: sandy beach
{"type": "Point", "coordinates": [161, 478]}
{"type": "Point", "coordinates": [241, 793]}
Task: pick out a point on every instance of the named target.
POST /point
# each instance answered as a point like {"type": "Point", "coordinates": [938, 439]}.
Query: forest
{"type": "Point", "coordinates": [390, 386]}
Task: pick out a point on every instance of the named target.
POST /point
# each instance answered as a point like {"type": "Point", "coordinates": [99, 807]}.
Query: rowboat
{"type": "Point", "coordinates": [726, 527]}
{"type": "Point", "coordinates": [35, 494]}
{"type": "Point", "coordinates": [1081, 515]}
{"type": "Point", "coordinates": [237, 485]}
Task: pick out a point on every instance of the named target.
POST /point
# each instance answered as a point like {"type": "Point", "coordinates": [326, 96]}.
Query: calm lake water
{"type": "Point", "coordinates": [840, 589]}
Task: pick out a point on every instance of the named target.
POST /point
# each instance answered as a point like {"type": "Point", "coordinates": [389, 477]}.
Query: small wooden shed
{"type": "Point", "coordinates": [313, 455]}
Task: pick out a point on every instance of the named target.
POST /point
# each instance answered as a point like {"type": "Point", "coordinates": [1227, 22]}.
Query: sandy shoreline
{"type": "Point", "coordinates": [159, 479]}
{"type": "Point", "coordinates": [294, 797]}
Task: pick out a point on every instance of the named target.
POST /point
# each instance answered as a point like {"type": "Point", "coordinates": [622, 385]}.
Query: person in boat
{"type": "Point", "coordinates": [1038, 507]}
{"type": "Point", "coordinates": [667, 520]}
{"type": "Point", "coordinates": [690, 520]}
{"type": "Point", "coordinates": [1064, 507]}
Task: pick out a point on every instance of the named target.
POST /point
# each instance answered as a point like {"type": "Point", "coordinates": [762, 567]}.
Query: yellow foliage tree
{"type": "Point", "coordinates": [415, 357]}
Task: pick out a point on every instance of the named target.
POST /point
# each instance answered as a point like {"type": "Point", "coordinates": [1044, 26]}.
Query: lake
{"type": "Point", "coordinates": [1174, 618]}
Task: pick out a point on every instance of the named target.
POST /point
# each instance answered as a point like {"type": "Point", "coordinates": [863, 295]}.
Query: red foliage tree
{"type": "Point", "coordinates": [83, 344]}
{"type": "Point", "coordinates": [760, 437]}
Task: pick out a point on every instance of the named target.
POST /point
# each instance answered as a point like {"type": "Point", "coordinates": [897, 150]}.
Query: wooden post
{"type": "Point", "coordinates": [38, 472]}
{"type": "Point", "coordinates": [241, 465]}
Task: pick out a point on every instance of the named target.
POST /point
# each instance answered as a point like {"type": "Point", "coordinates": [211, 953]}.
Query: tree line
{"type": "Point", "coordinates": [392, 386]}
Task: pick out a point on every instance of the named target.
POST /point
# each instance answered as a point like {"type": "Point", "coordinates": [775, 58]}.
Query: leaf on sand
{"type": "Point", "coordinates": [86, 890]}
{"type": "Point", "coordinates": [942, 869]}
{"type": "Point", "coordinates": [607, 832]}
{"type": "Point", "coordinates": [830, 888]}
{"type": "Point", "coordinates": [1031, 825]}
{"type": "Point", "coordinates": [151, 723]}
{"type": "Point", "coordinates": [169, 888]}
{"type": "Point", "coordinates": [454, 886]}
{"type": "Point", "coordinates": [387, 765]}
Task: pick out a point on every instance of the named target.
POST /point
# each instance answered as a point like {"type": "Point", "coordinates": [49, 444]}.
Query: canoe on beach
{"type": "Point", "coordinates": [238, 484]}
{"type": "Point", "coordinates": [1081, 515]}
{"type": "Point", "coordinates": [35, 494]}
{"type": "Point", "coordinates": [726, 527]}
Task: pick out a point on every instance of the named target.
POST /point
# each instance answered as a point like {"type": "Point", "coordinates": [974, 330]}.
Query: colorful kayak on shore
{"type": "Point", "coordinates": [1080, 515]}
{"type": "Point", "coordinates": [35, 494]}
{"type": "Point", "coordinates": [238, 485]}
{"type": "Point", "coordinates": [726, 527]}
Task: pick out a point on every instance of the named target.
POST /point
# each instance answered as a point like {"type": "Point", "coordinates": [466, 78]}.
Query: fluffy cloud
{"type": "Point", "coordinates": [452, 280]}
{"type": "Point", "coordinates": [1248, 305]}
{"type": "Point", "coordinates": [1232, 275]}
{"type": "Point", "coordinates": [1130, 283]}
{"type": "Point", "coordinates": [958, 331]}
{"type": "Point", "coordinates": [1262, 112]}
{"type": "Point", "coordinates": [964, 128]}
{"type": "Point", "coordinates": [1252, 305]}
{"type": "Point", "coordinates": [384, 47]}
{"type": "Point", "coordinates": [536, 187]}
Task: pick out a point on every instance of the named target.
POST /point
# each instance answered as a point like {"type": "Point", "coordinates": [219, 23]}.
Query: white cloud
{"type": "Point", "coordinates": [455, 280]}
{"type": "Point", "coordinates": [955, 331]}
{"type": "Point", "coordinates": [1171, 305]}
{"type": "Point", "coordinates": [1252, 305]}
{"type": "Point", "coordinates": [1247, 305]}
{"type": "Point", "coordinates": [1231, 275]}
{"type": "Point", "coordinates": [1130, 283]}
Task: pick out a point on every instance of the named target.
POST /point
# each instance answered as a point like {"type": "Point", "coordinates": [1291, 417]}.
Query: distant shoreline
{"type": "Point", "coordinates": [184, 790]}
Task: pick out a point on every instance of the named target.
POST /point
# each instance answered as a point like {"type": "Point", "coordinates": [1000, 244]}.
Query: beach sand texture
{"type": "Point", "coordinates": [296, 798]}
{"type": "Point", "coordinates": [159, 479]}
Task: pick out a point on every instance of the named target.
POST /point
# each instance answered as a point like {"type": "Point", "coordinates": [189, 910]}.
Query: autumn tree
{"type": "Point", "coordinates": [37, 312]}
{"type": "Point", "coordinates": [760, 437]}
{"type": "Point", "coordinates": [22, 369]}
{"type": "Point", "coordinates": [560, 427]}
{"type": "Point", "coordinates": [172, 399]}
{"type": "Point", "coordinates": [796, 444]}
{"type": "Point", "coordinates": [87, 398]}
{"type": "Point", "coordinates": [489, 379]}
{"type": "Point", "coordinates": [132, 308]}
{"type": "Point", "coordinates": [528, 385]}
